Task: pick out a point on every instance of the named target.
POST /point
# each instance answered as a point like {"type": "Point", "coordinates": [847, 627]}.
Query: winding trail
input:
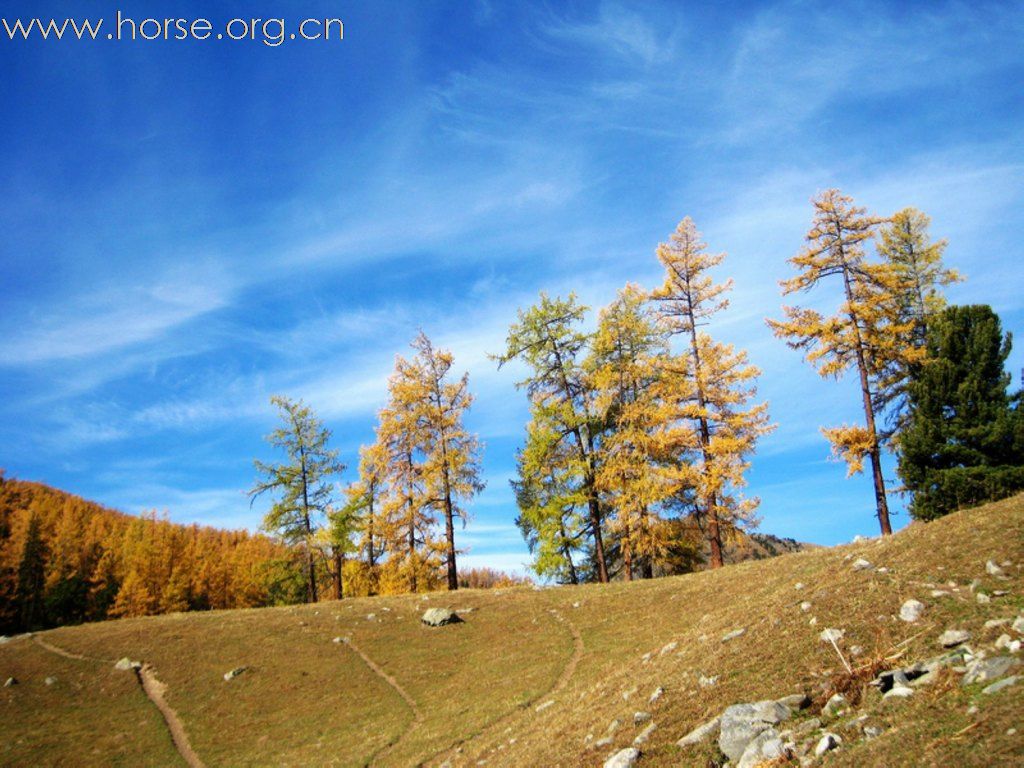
{"type": "Point", "coordinates": [563, 680]}
{"type": "Point", "coordinates": [417, 716]}
{"type": "Point", "coordinates": [154, 690]}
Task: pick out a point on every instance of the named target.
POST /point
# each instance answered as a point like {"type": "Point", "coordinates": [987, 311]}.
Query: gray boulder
{"type": "Point", "coordinates": [645, 735]}
{"type": "Point", "coordinates": [954, 637]}
{"type": "Point", "coordinates": [999, 685]}
{"type": "Point", "coordinates": [232, 674]}
{"type": "Point", "coordinates": [624, 758]}
{"type": "Point", "coordinates": [741, 723]}
{"type": "Point", "coordinates": [826, 743]}
{"type": "Point", "coordinates": [835, 705]}
{"type": "Point", "coordinates": [767, 745]}
{"type": "Point", "coordinates": [438, 617]}
{"type": "Point", "coordinates": [987, 670]}
{"type": "Point", "coordinates": [911, 611]}
{"type": "Point", "coordinates": [700, 733]}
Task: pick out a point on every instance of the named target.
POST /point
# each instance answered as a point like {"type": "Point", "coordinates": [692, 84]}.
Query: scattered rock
{"type": "Point", "coordinates": [545, 705]}
{"type": "Point", "coordinates": [911, 611]}
{"type": "Point", "coordinates": [741, 723]}
{"type": "Point", "coordinates": [806, 727]}
{"type": "Point", "coordinates": [805, 606]}
{"type": "Point", "coordinates": [624, 758]}
{"type": "Point", "coordinates": [627, 694]}
{"type": "Point", "coordinates": [826, 743]}
{"type": "Point", "coordinates": [668, 648]}
{"type": "Point", "coordinates": [872, 731]}
{"type": "Point", "coordinates": [1006, 682]}
{"type": "Point", "coordinates": [337, 640]}
{"type": "Point", "coordinates": [985, 670]}
{"type": "Point", "coordinates": [858, 539]}
{"type": "Point", "coordinates": [639, 718]}
{"type": "Point", "coordinates": [898, 692]}
{"type": "Point", "coordinates": [831, 635]}
{"type": "Point", "coordinates": [795, 701]}
{"type": "Point", "coordinates": [798, 586]}
{"type": "Point", "coordinates": [707, 682]}
{"type": "Point", "coordinates": [234, 673]}
{"type": "Point", "coordinates": [982, 598]}
{"type": "Point", "coordinates": [992, 569]}
{"type": "Point", "coordinates": [856, 650]}
{"type": "Point", "coordinates": [763, 747]}
{"type": "Point", "coordinates": [940, 593]}
{"type": "Point", "coordinates": [954, 637]}
{"type": "Point", "coordinates": [654, 697]}
{"type": "Point", "coordinates": [992, 623]}
{"type": "Point", "coordinates": [124, 664]}
{"type": "Point", "coordinates": [371, 617]}
{"type": "Point", "coordinates": [733, 635]}
{"type": "Point", "coordinates": [1018, 625]}
{"type": "Point", "coordinates": [835, 705]}
{"type": "Point", "coordinates": [860, 564]}
{"type": "Point", "coordinates": [1003, 641]}
{"type": "Point", "coordinates": [645, 658]}
{"type": "Point", "coordinates": [1000, 592]}
{"type": "Point", "coordinates": [644, 735]}
{"type": "Point", "coordinates": [438, 617]}
{"type": "Point", "coordinates": [50, 680]}
{"type": "Point", "coordinates": [701, 733]}
{"type": "Point", "coordinates": [10, 681]}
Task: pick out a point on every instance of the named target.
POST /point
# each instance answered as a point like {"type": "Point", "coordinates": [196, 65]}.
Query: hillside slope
{"type": "Point", "coordinates": [362, 681]}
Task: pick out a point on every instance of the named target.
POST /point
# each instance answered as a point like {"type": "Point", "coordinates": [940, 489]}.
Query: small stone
{"type": "Point", "coordinates": [872, 731]}
{"type": "Point", "coordinates": [627, 694]}
{"type": "Point", "coordinates": [1003, 641]}
{"type": "Point", "coordinates": [954, 637]}
{"type": "Point", "coordinates": [439, 617]}
{"type": "Point", "coordinates": [795, 701]}
{"type": "Point", "coordinates": [50, 680]}
{"type": "Point", "coordinates": [1014, 646]}
{"type": "Point", "coordinates": [733, 635]}
{"type": "Point", "coordinates": [700, 733]}
{"type": "Point", "coordinates": [1006, 682]}
{"type": "Point", "coordinates": [231, 675]}
{"type": "Point", "coordinates": [992, 569]}
{"type": "Point", "coordinates": [831, 635]}
{"type": "Point", "coordinates": [835, 705]}
{"type": "Point", "coordinates": [898, 692]}
{"type": "Point", "coordinates": [814, 621]}
{"type": "Point", "coordinates": [1000, 592]}
{"type": "Point", "coordinates": [911, 611]}
{"type": "Point", "coordinates": [972, 710]}
{"type": "Point", "coordinates": [982, 598]}
{"type": "Point", "coordinates": [639, 718]}
{"type": "Point", "coordinates": [856, 650]}
{"type": "Point", "coordinates": [644, 735]}
{"type": "Point", "coordinates": [986, 670]}
{"type": "Point", "coordinates": [805, 606]}
{"type": "Point", "coordinates": [10, 681]}
{"type": "Point", "coordinates": [707, 682]}
{"type": "Point", "coordinates": [545, 705]}
{"type": "Point", "coordinates": [992, 623]}
{"type": "Point", "coordinates": [883, 569]}
{"type": "Point", "coordinates": [859, 539]}
{"type": "Point", "coordinates": [371, 616]}
{"type": "Point", "coordinates": [1018, 625]}
{"type": "Point", "coordinates": [654, 697]}
{"type": "Point", "coordinates": [645, 658]}
{"type": "Point", "coordinates": [940, 593]}
{"type": "Point", "coordinates": [624, 758]}
{"type": "Point", "coordinates": [123, 664]}
{"type": "Point", "coordinates": [798, 586]}
{"type": "Point", "coordinates": [337, 639]}
{"type": "Point", "coordinates": [826, 743]}
{"type": "Point", "coordinates": [806, 727]}
{"type": "Point", "coordinates": [860, 564]}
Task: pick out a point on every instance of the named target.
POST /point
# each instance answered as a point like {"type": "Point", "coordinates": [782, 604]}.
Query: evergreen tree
{"type": "Point", "coordinates": [710, 387]}
{"type": "Point", "coordinates": [546, 338]}
{"type": "Point", "coordinates": [964, 440]}
{"type": "Point", "coordinates": [867, 333]}
{"type": "Point", "coordinates": [301, 482]}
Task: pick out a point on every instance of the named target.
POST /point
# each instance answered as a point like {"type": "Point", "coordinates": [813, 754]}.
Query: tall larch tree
{"type": "Point", "coordinates": [452, 454]}
{"type": "Point", "coordinates": [548, 340]}
{"type": "Point", "coordinates": [865, 334]}
{"type": "Point", "coordinates": [905, 244]}
{"type": "Point", "coordinates": [408, 517]}
{"type": "Point", "coordinates": [364, 499]}
{"type": "Point", "coordinates": [711, 383]}
{"type": "Point", "coordinates": [301, 483]}
{"type": "Point", "coordinates": [550, 501]}
{"type": "Point", "coordinates": [624, 367]}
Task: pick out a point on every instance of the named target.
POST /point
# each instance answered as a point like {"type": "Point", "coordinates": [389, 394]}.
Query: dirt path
{"type": "Point", "coordinates": [154, 690]}
{"type": "Point", "coordinates": [563, 680]}
{"type": "Point", "coordinates": [417, 716]}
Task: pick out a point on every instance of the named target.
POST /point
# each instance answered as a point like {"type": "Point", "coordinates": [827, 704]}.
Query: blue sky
{"type": "Point", "coordinates": [189, 228]}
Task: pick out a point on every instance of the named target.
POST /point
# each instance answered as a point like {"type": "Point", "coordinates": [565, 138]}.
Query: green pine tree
{"type": "Point", "coordinates": [964, 440]}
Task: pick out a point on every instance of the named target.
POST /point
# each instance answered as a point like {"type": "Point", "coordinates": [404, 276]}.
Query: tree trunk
{"type": "Point", "coordinates": [311, 591]}
{"type": "Point", "coordinates": [449, 529]}
{"type": "Point", "coordinates": [567, 552]}
{"type": "Point", "coordinates": [339, 568]}
{"type": "Point", "coordinates": [714, 534]}
{"type": "Point", "coordinates": [881, 503]}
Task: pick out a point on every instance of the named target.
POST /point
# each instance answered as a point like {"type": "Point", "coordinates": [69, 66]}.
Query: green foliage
{"type": "Point", "coordinates": [300, 483]}
{"type": "Point", "coordinates": [964, 440]}
{"type": "Point", "coordinates": [31, 577]}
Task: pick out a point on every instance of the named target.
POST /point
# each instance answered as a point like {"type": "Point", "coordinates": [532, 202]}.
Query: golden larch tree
{"type": "Point", "coordinates": [709, 386]}
{"type": "Point", "coordinates": [866, 333]}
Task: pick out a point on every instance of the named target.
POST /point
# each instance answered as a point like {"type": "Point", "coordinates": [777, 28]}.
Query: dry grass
{"type": "Point", "coordinates": [477, 685]}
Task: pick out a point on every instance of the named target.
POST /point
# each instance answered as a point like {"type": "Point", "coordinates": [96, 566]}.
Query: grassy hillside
{"type": "Point", "coordinates": [391, 691]}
